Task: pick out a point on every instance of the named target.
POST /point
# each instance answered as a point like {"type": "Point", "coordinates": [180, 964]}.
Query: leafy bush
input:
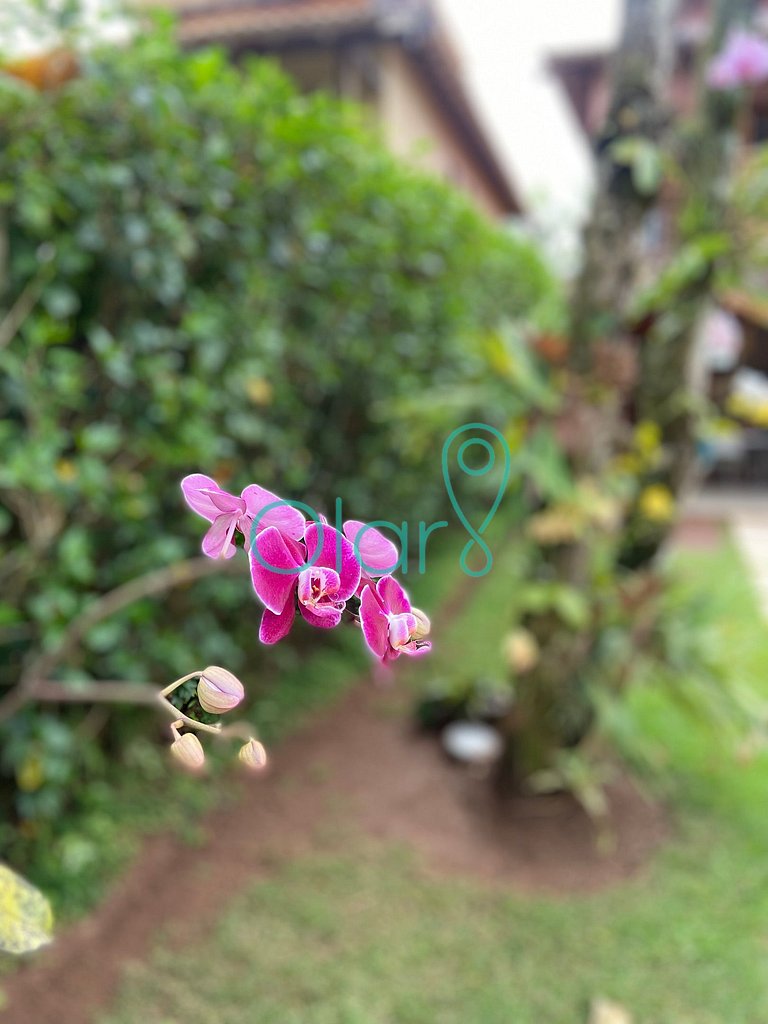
{"type": "Point", "coordinates": [203, 270]}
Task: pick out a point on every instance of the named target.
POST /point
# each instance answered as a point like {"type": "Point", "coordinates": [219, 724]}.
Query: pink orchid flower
{"type": "Point", "coordinates": [227, 512]}
{"type": "Point", "coordinates": [389, 625]}
{"type": "Point", "coordinates": [742, 61]}
{"type": "Point", "coordinates": [280, 579]}
{"type": "Point", "coordinates": [377, 554]}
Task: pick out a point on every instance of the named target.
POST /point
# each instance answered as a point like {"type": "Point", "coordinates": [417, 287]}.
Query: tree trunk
{"type": "Point", "coordinates": [553, 709]}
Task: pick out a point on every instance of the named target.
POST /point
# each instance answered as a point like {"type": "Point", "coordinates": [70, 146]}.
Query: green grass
{"type": "Point", "coordinates": [367, 938]}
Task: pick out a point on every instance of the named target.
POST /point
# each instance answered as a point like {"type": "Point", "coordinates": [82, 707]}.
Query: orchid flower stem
{"type": "Point", "coordinates": [183, 719]}
{"type": "Point", "coordinates": [237, 729]}
{"type": "Point", "coordinates": [179, 682]}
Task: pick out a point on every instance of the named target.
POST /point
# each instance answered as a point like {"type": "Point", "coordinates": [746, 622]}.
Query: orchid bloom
{"type": "Point", "coordinates": [227, 512]}
{"type": "Point", "coordinates": [391, 626]}
{"type": "Point", "coordinates": [742, 61]}
{"type": "Point", "coordinates": [280, 579]}
{"type": "Point", "coordinates": [377, 555]}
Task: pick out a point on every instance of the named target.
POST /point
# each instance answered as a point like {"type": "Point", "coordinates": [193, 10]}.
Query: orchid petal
{"type": "Point", "coordinates": [323, 617]}
{"type": "Point", "coordinates": [416, 648]}
{"type": "Point", "coordinates": [197, 490]}
{"type": "Point", "coordinates": [375, 623]}
{"type": "Point", "coordinates": [376, 553]}
{"type": "Point", "coordinates": [275, 627]}
{"type": "Point", "coordinates": [326, 581]}
{"type": "Point", "coordinates": [288, 520]}
{"type": "Point", "coordinates": [400, 629]}
{"type": "Point", "coordinates": [217, 543]}
{"type": "Point", "coordinates": [268, 553]}
{"type": "Point", "coordinates": [226, 502]}
{"type": "Point", "coordinates": [393, 596]}
{"type": "Point", "coordinates": [336, 553]}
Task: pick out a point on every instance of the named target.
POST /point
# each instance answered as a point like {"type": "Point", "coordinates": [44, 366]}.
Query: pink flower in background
{"type": "Point", "coordinates": [742, 61]}
{"type": "Point", "coordinates": [321, 590]}
{"type": "Point", "coordinates": [226, 513]}
{"type": "Point", "coordinates": [391, 627]}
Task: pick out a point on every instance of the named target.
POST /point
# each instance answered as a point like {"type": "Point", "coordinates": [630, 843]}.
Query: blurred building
{"type": "Point", "coordinates": [392, 55]}
{"type": "Point", "coordinates": [586, 79]}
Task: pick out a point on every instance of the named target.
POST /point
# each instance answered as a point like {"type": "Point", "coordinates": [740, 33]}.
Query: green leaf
{"type": "Point", "coordinates": [572, 606]}
{"type": "Point", "coordinates": [61, 301]}
{"type": "Point", "coordinates": [647, 171]}
{"type": "Point", "coordinates": [644, 161]}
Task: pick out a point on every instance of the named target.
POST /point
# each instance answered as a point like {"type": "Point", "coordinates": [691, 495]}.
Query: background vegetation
{"type": "Point", "coordinates": [202, 271]}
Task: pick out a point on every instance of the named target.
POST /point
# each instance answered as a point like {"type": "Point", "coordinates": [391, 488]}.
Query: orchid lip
{"type": "Point", "coordinates": [317, 587]}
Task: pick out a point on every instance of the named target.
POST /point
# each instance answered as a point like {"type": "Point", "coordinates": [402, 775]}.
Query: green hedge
{"type": "Point", "coordinates": [232, 279]}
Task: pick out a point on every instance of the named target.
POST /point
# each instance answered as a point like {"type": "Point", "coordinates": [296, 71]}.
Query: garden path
{"type": "Point", "coordinates": [746, 514]}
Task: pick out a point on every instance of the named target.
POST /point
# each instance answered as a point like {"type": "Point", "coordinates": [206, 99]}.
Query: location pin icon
{"type": "Point", "coordinates": [472, 430]}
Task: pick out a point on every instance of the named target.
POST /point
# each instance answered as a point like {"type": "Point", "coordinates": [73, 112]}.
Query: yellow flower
{"type": "Point", "coordinates": [647, 437]}
{"type": "Point", "coordinates": [657, 503]}
{"type": "Point", "coordinates": [749, 409]}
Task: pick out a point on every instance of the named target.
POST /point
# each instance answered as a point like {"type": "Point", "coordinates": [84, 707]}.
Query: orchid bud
{"type": "Point", "coordinates": [423, 625]}
{"type": "Point", "coordinates": [219, 691]}
{"type": "Point", "coordinates": [188, 750]}
{"type": "Point", "coordinates": [253, 755]}
{"type": "Point", "coordinates": [522, 650]}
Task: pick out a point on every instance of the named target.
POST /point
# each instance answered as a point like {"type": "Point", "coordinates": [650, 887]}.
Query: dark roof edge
{"type": "Point", "coordinates": [416, 30]}
{"type": "Point", "coordinates": [443, 81]}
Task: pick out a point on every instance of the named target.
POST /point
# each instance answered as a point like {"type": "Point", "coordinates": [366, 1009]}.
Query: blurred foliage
{"type": "Point", "coordinates": [201, 270]}
{"type": "Point", "coordinates": [748, 213]}
{"type": "Point", "coordinates": [590, 625]}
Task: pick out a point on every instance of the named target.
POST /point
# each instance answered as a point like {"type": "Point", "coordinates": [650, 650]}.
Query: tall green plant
{"type": "Point", "coordinates": [630, 344]}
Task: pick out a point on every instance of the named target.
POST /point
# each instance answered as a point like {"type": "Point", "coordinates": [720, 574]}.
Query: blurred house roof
{"type": "Point", "coordinates": [579, 75]}
{"type": "Point", "coordinates": [270, 26]}
{"type": "Point", "coordinates": [268, 20]}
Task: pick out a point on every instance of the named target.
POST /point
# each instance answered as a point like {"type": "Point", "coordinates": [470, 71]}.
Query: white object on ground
{"type": "Point", "coordinates": [472, 742]}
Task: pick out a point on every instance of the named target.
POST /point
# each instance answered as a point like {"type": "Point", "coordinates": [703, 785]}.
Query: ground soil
{"type": "Point", "coordinates": [358, 770]}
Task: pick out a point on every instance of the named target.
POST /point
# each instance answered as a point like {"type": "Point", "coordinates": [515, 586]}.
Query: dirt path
{"type": "Point", "coordinates": [356, 770]}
